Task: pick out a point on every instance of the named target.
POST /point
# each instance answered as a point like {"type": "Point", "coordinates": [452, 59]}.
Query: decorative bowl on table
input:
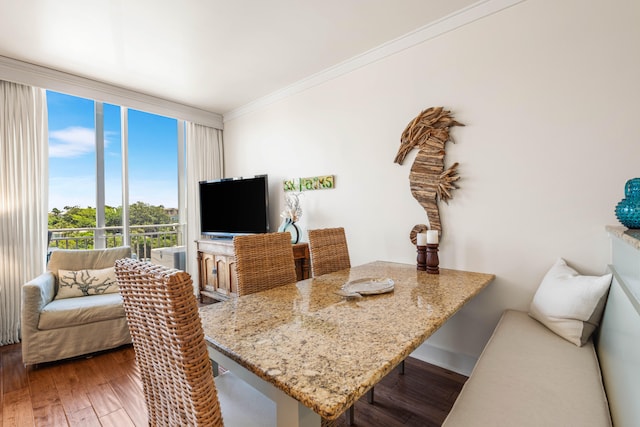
{"type": "Point", "coordinates": [366, 286]}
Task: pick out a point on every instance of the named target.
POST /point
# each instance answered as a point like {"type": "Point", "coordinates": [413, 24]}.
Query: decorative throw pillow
{"type": "Point", "coordinates": [86, 282]}
{"type": "Point", "coordinates": [569, 304]}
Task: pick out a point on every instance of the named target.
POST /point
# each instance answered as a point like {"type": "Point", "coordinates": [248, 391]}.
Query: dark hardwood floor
{"type": "Point", "coordinates": [105, 390]}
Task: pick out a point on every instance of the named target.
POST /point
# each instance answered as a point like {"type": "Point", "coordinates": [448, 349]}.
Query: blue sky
{"type": "Point", "coordinates": [153, 152]}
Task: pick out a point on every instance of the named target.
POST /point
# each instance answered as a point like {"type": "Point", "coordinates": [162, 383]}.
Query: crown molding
{"type": "Point", "coordinates": [26, 73]}
{"type": "Point", "coordinates": [434, 29]}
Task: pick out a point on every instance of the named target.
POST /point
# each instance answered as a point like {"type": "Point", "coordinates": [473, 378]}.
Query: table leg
{"type": "Point", "coordinates": [351, 415]}
{"type": "Point", "coordinates": [289, 411]}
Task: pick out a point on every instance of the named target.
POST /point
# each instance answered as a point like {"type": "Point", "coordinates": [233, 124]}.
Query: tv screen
{"type": "Point", "coordinates": [233, 206]}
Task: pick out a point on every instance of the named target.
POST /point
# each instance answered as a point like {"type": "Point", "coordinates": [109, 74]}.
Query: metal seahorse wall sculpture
{"type": "Point", "coordinates": [430, 182]}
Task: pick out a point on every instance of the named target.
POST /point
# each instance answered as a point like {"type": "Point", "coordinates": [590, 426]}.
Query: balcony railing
{"type": "Point", "coordinates": [142, 238]}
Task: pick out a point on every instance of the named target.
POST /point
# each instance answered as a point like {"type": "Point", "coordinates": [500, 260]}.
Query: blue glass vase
{"type": "Point", "coordinates": [628, 210]}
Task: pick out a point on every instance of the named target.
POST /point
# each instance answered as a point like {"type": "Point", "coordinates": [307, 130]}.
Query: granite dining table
{"type": "Point", "coordinates": [314, 351]}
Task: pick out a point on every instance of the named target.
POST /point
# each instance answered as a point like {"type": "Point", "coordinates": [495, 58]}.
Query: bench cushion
{"type": "Point", "coordinates": [63, 313]}
{"type": "Point", "coordinates": [529, 376]}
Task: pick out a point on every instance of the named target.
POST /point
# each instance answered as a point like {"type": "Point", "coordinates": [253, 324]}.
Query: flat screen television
{"type": "Point", "coordinates": [232, 206]}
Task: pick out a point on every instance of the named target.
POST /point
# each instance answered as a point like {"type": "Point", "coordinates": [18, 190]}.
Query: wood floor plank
{"type": "Point", "coordinates": [104, 399]}
{"type": "Point", "coordinates": [119, 418]}
{"type": "Point", "coordinates": [47, 407]}
{"type": "Point", "coordinates": [90, 372]}
{"type": "Point", "coordinates": [422, 397]}
{"type": "Point", "coordinates": [129, 391]}
{"type": "Point", "coordinates": [83, 418]}
{"type": "Point", "coordinates": [43, 388]}
{"type": "Point", "coordinates": [127, 355]}
{"type": "Point", "coordinates": [111, 365]}
{"type": "Point", "coordinates": [17, 408]}
{"type": "Point", "coordinates": [71, 390]}
{"type": "Point", "coordinates": [105, 389]}
{"type": "Point", "coordinates": [16, 377]}
{"type": "Point", "coordinates": [50, 416]}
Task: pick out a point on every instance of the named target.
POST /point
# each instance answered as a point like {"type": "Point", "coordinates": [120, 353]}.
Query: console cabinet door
{"type": "Point", "coordinates": [233, 277]}
{"type": "Point", "coordinates": [207, 272]}
{"type": "Point", "coordinates": [225, 276]}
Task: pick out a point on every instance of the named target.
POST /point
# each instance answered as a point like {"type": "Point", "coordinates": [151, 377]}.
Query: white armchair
{"type": "Point", "coordinates": [55, 329]}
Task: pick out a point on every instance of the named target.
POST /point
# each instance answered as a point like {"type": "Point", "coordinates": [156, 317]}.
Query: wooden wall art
{"type": "Point", "coordinates": [428, 179]}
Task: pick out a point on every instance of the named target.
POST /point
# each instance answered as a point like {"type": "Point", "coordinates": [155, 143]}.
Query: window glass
{"type": "Point", "coordinates": [153, 181]}
{"type": "Point", "coordinates": [72, 169]}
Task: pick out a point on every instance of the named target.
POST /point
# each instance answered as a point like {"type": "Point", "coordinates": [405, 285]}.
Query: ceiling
{"type": "Point", "coordinates": [216, 55]}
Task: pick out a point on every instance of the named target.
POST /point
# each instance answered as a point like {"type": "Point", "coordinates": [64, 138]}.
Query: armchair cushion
{"type": "Point", "coordinates": [62, 313]}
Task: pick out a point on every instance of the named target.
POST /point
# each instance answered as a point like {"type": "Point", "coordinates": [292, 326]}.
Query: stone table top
{"type": "Point", "coordinates": [325, 350]}
{"type": "Point", "coordinates": [629, 235]}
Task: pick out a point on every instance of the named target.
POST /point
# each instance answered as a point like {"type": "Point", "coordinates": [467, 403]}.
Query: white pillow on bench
{"type": "Point", "coordinates": [570, 304]}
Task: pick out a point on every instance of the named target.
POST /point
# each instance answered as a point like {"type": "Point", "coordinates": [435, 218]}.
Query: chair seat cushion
{"type": "Point", "coordinates": [63, 313]}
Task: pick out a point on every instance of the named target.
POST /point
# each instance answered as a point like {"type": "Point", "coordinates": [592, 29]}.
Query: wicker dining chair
{"type": "Point", "coordinates": [263, 261]}
{"type": "Point", "coordinates": [329, 251]}
{"type": "Point", "coordinates": [171, 354]}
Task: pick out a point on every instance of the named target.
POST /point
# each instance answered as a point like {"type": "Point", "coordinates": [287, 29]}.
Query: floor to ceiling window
{"type": "Point", "coordinates": [113, 176]}
{"type": "Point", "coordinates": [72, 172]}
{"type": "Point", "coordinates": [153, 185]}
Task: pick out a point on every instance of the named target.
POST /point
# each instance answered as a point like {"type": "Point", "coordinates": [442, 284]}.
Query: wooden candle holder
{"type": "Point", "coordinates": [432, 260]}
{"type": "Point", "coordinates": [422, 258]}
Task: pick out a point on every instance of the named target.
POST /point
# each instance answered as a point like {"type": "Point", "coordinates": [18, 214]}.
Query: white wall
{"type": "Point", "coordinates": [550, 96]}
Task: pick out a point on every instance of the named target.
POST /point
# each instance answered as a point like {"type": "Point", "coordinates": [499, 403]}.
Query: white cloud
{"type": "Point", "coordinates": [71, 142]}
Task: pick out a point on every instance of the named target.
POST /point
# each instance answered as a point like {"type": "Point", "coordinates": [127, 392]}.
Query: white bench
{"type": "Point", "coordinates": [529, 376]}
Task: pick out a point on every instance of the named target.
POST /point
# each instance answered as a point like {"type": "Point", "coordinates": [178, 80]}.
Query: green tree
{"type": "Point", "coordinates": [113, 216]}
{"type": "Point", "coordinates": [74, 217]}
{"type": "Point", "coordinates": [141, 213]}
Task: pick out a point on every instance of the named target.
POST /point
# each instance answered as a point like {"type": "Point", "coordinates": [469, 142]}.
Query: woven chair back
{"type": "Point", "coordinates": [329, 251]}
{"type": "Point", "coordinates": [263, 261]}
{"type": "Point", "coordinates": [171, 353]}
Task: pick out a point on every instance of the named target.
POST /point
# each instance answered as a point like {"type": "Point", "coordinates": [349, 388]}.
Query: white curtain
{"type": "Point", "coordinates": [23, 198]}
{"type": "Point", "coordinates": [205, 161]}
